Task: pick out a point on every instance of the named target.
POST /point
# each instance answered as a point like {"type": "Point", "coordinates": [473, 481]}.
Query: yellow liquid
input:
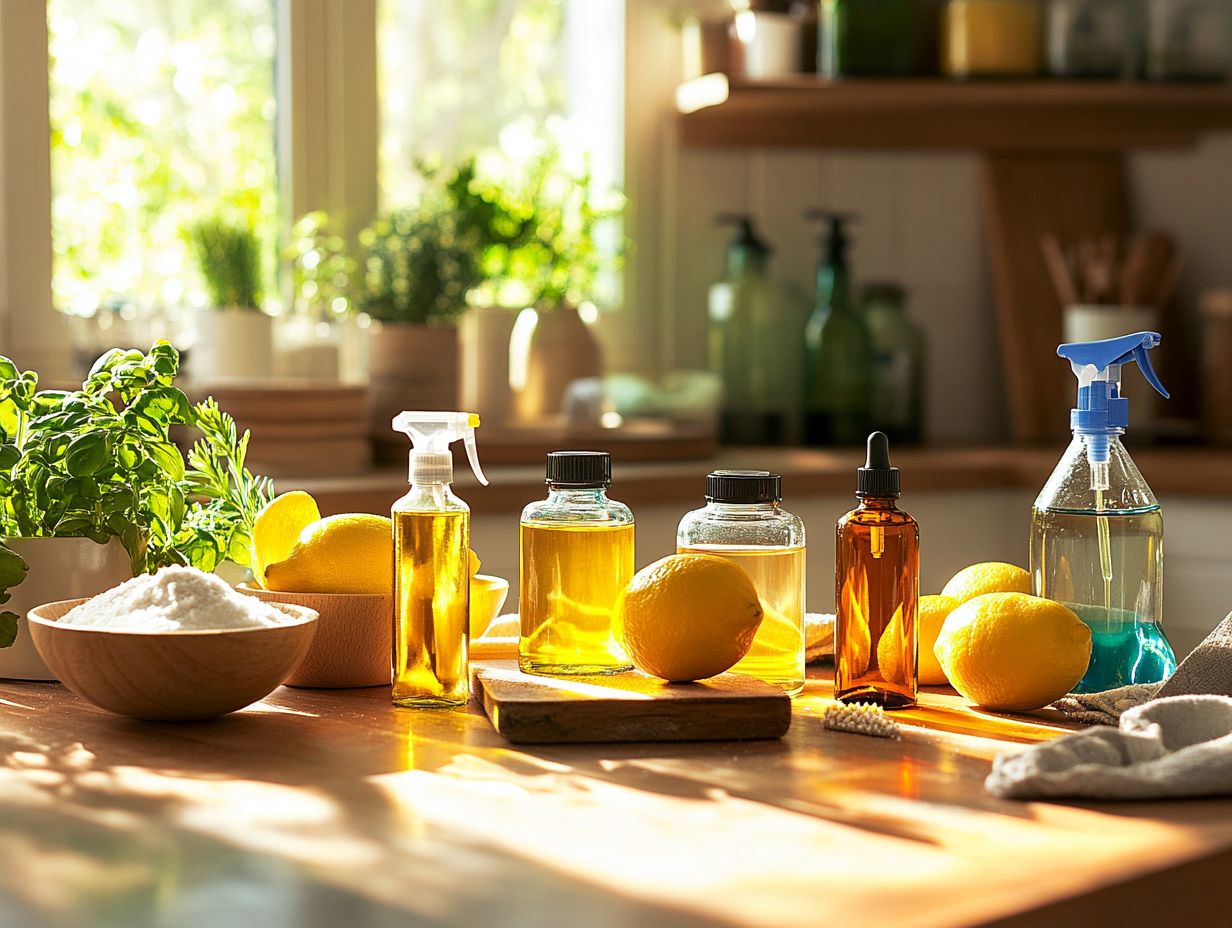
{"type": "Point", "coordinates": [432, 608]}
{"type": "Point", "coordinates": [571, 576]}
{"type": "Point", "coordinates": [777, 655]}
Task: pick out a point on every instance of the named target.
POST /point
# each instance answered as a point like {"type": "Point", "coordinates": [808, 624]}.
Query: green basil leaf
{"type": "Point", "coordinates": [8, 628]}
{"type": "Point", "coordinates": [87, 454]}
{"type": "Point", "coordinates": [168, 457]}
{"type": "Point", "coordinates": [13, 568]}
{"type": "Point", "coordinates": [9, 456]}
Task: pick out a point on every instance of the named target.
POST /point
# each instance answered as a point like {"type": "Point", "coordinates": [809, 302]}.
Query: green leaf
{"type": "Point", "coordinates": [8, 629]}
{"type": "Point", "coordinates": [87, 454]}
{"type": "Point", "coordinates": [9, 456]}
{"type": "Point", "coordinates": [13, 568]}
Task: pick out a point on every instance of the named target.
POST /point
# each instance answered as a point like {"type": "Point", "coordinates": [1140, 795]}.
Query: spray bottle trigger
{"type": "Point", "coordinates": [472, 455]}
{"type": "Point", "coordinates": [1144, 364]}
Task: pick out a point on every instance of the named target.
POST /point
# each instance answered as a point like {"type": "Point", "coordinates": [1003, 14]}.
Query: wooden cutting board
{"type": "Point", "coordinates": [528, 709]}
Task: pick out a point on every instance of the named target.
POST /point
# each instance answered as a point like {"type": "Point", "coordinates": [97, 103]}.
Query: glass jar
{"type": "Point", "coordinates": [898, 363]}
{"type": "Point", "coordinates": [576, 557]}
{"type": "Point", "coordinates": [889, 38]}
{"type": "Point", "coordinates": [1089, 38]}
{"type": "Point", "coordinates": [992, 38]}
{"type": "Point", "coordinates": [743, 522]}
{"type": "Point", "coordinates": [1188, 40]}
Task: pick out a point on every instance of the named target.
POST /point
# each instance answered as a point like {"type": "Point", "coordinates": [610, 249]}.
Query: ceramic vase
{"type": "Point", "coordinates": [60, 568]}
{"type": "Point", "coordinates": [232, 344]}
{"type": "Point", "coordinates": [549, 349]}
{"type": "Point", "coordinates": [483, 385]}
{"type": "Point", "coordinates": [409, 367]}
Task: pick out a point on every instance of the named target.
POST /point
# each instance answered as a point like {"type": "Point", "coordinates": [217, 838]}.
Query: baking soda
{"type": "Point", "coordinates": [174, 599]}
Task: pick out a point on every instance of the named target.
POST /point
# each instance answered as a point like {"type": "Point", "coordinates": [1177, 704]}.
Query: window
{"type": "Point", "coordinates": [161, 114]}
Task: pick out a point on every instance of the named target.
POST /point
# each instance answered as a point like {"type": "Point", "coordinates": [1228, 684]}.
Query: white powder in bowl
{"type": "Point", "coordinates": [172, 600]}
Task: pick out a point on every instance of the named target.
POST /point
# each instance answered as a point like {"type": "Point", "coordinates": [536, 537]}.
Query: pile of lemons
{"type": "Point", "coordinates": [997, 645]}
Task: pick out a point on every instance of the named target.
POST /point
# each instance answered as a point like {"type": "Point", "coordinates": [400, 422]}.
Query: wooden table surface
{"type": "Point", "coordinates": [332, 808]}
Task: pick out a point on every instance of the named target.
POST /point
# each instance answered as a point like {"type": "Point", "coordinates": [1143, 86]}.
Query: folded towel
{"type": "Point", "coordinates": [1207, 670]}
{"type": "Point", "coordinates": [501, 638]}
{"type": "Point", "coordinates": [1173, 747]}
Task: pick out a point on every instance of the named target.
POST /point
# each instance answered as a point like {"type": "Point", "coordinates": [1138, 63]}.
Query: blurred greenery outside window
{"type": "Point", "coordinates": [162, 113]}
{"type": "Point", "coordinates": [503, 81]}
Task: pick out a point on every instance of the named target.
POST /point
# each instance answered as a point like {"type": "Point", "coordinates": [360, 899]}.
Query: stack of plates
{"type": "Point", "coordinates": [299, 428]}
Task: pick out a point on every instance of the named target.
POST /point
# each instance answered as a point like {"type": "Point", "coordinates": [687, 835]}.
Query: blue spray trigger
{"type": "Point", "coordinates": [1103, 354]}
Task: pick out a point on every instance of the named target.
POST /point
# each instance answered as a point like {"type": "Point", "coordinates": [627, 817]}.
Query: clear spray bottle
{"type": "Point", "coordinates": [432, 542]}
{"type": "Point", "coordinates": [1097, 533]}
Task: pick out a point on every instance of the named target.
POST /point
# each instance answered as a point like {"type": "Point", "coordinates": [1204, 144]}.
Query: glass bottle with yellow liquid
{"type": "Point", "coordinates": [743, 522]}
{"type": "Point", "coordinates": [576, 557]}
{"type": "Point", "coordinates": [432, 546]}
{"type": "Point", "coordinates": [877, 580]}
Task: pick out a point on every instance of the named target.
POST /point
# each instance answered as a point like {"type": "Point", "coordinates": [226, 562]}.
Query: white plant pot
{"type": "Point", "coordinates": [60, 568]}
{"type": "Point", "coordinates": [231, 344]}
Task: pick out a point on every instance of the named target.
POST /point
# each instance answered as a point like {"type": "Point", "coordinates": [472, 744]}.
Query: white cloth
{"type": "Point", "coordinates": [1166, 748]}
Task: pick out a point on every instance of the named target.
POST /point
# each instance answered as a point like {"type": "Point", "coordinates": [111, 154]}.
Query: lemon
{"type": "Point", "coordinates": [1013, 651]}
{"type": "Point", "coordinates": [688, 616]}
{"type": "Point", "coordinates": [933, 610]}
{"type": "Point", "coordinates": [989, 577]}
{"type": "Point", "coordinates": [352, 553]}
{"type": "Point", "coordinates": [276, 529]}
{"type": "Point", "coordinates": [475, 563]}
{"type": "Point", "coordinates": [893, 660]}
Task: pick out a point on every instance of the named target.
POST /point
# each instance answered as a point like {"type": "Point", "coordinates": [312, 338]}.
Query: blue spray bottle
{"type": "Point", "coordinates": [1097, 533]}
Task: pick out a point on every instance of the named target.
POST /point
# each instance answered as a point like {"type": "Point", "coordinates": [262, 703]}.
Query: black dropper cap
{"type": "Point", "coordinates": [877, 478]}
{"type": "Point", "coordinates": [579, 469]}
{"type": "Point", "coordinates": [745, 248]}
{"type": "Point", "coordinates": [744, 486]}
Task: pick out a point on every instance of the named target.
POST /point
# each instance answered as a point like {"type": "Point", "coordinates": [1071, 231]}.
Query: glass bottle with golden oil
{"type": "Point", "coordinates": [432, 566]}
{"type": "Point", "coordinates": [743, 522]}
{"type": "Point", "coordinates": [576, 557]}
{"type": "Point", "coordinates": [876, 590]}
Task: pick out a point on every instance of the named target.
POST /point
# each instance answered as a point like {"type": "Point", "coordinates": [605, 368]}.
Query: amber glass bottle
{"type": "Point", "coordinates": [876, 590]}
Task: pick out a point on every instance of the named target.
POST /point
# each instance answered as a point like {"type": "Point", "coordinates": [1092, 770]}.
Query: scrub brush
{"type": "Point", "coordinates": [861, 718]}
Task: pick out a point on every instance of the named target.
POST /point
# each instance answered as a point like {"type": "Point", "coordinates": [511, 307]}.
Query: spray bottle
{"type": "Point", "coordinates": [432, 565]}
{"type": "Point", "coordinates": [1096, 528]}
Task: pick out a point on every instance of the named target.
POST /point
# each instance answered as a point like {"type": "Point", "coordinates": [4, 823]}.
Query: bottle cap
{"type": "Point", "coordinates": [744, 486]}
{"type": "Point", "coordinates": [877, 478]}
{"type": "Point", "coordinates": [579, 468]}
{"type": "Point", "coordinates": [431, 467]}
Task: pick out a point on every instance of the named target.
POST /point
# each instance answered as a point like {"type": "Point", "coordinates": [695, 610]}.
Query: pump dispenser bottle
{"type": "Point", "coordinates": [1097, 532]}
{"type": "Point", "coordinates": [576, 557]}
{"type": "Point", "coordinates": [744, 522]}
{"type": "Point", "coordinates": [838, 350]}
{"type": "Point", "coordinates": [876, 590]}
{"type": "Point", "coordinates": [432, 565]}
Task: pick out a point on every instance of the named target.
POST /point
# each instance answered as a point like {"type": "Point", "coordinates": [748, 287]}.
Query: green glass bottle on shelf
{"type": "Point", "coordinates": [879, 38]}
{"type": "Point", "coordinates": [898, 362]}
{"type": "Point", "coordinates": [838, 355]}
{"type": "Point", "coordinates": [751, 319]}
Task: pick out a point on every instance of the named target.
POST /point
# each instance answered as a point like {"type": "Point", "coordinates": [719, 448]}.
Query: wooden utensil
{"type": "Point", "coordinates": [631, 706]}
{"type": "Point", "coordinates": [171, 676]}
{"type": "Point", "coordinates": [353, 643]}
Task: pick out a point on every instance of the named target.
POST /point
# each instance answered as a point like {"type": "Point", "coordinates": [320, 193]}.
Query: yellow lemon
{"type": "Point", "coordinates": [688, 616]}
{"type": "Point", "coordinates": [933, 611]}
{"type": "Point", "coordinates": [893, 654]}
{"type": "Point", "coordinates": [989, 577]}
{"type": "Point", "coordinates": [276, 529]}
{"type": "Point", "coordinates": [475, 563]}
{"type": "Point", "coordinates": [352, 553]}
{"type": "Point", "coordinates": [1012, 651]}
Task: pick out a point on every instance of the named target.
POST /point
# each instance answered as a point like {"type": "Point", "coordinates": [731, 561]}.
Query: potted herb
{"type": "Point", "coordinates": [234, 337]}
{"type": "Point", "coordinates": [556, 272]}
{"type": "Point", "coordinates": [93, 491]}
{"type": "Point", "coordinates": [420, 266]}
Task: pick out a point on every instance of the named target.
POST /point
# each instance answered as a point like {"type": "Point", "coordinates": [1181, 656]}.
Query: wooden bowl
{"type": "Point", "coordinates": [354, 638]}
{"type": "Point", "coordinates": [171, 676]}
{"type": "Point", "coordinates": [487, 596]}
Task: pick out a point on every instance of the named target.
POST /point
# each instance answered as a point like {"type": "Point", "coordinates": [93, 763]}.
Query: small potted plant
{"type": "Point", "coordinates": [234, 337]}
{"type": "Point", "coordinates": [93, 491]}
{"type": "Point", "coordinates": [556, 272]}
{"type": "Point", "coordinates": [419, 269]}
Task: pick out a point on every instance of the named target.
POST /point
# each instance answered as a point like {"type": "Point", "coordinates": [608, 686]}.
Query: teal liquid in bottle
{"type": "Point", "coordinates": [1097, 530]}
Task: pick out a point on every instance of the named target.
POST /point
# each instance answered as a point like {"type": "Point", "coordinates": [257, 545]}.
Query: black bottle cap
{"type": "Point", "coordinates": [744, 486]}
{"type": "Point", "coordinates": [877, 478]}
{"type": "Point", "coordinates": [579, 468]}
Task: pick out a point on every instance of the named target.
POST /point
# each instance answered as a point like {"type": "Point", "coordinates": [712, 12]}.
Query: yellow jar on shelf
{"type": "Point", "coordinates": [993, 38]}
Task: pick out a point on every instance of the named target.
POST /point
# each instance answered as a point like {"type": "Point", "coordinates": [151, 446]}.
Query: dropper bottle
{"type": "Point", "coordinates": [432, 543]}
{"type": "Point", "coordinates": [876, 590]}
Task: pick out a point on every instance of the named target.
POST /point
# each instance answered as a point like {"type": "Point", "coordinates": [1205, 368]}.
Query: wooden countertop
{"type": "Point", "coordinates": [806, 472]}
{"type": "Point", "coordinates": [324, 808]}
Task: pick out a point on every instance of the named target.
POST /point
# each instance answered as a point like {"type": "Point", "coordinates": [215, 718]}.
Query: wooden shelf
{"type": "Point", "coordinates": [807, 112]}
